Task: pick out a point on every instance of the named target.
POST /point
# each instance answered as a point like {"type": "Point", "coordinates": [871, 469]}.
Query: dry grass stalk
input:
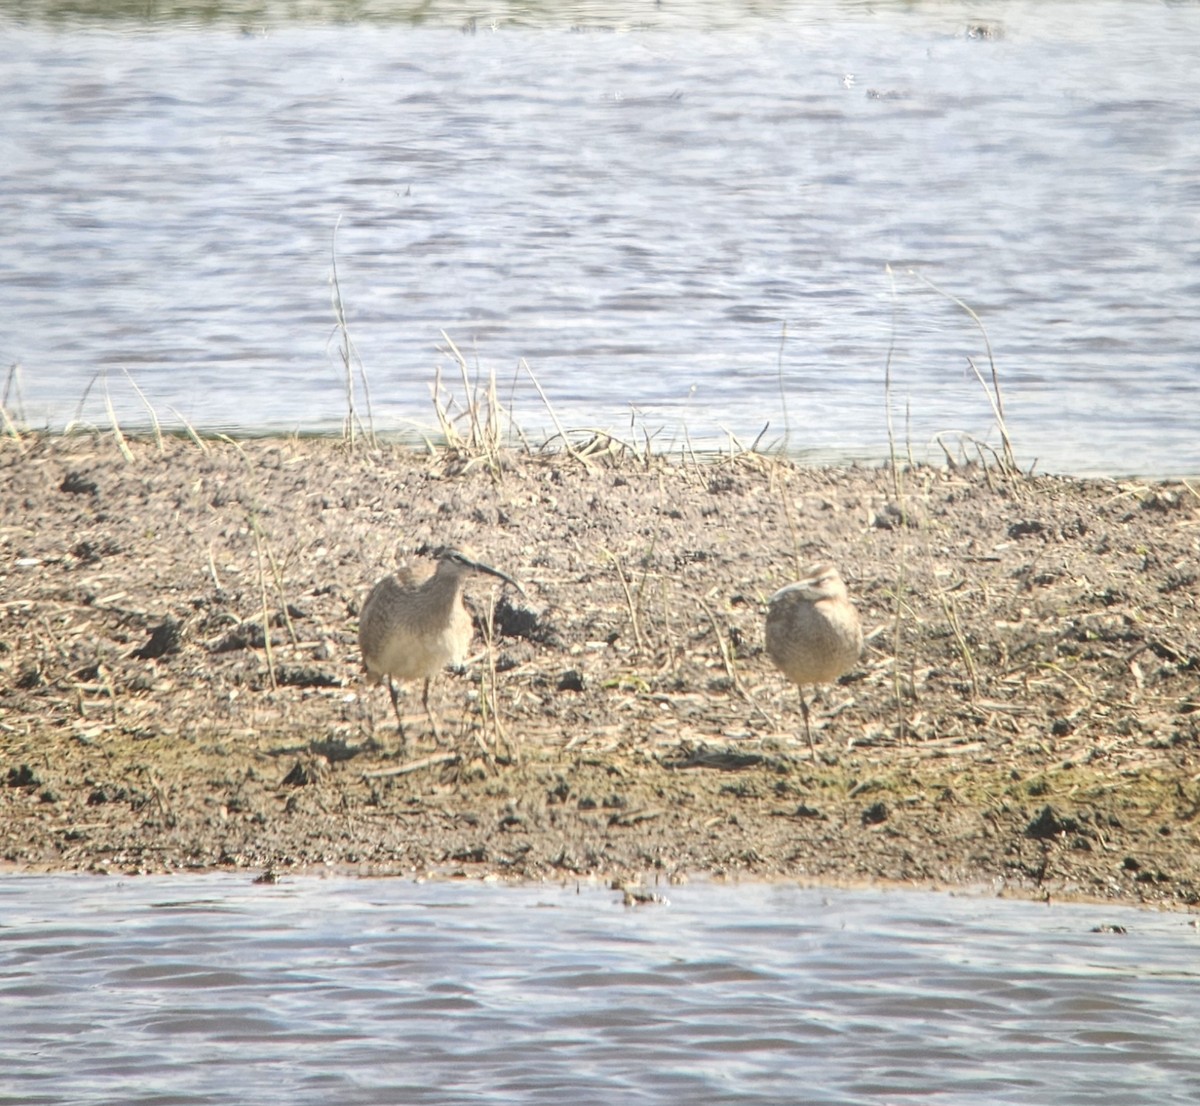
{"type": "Point", "coordinates": [414, 766]}
{"type": "Point", "coordinates": [158, 437]}
{"type": "Point", "coordinates": [480, 408]}
{"type": "Point", "coordinates": [263, 553]}
{"type": "Point", "coordinates": [191, 431]}
{"type": "Point", "coordinates": [262, 557]}
{"type": "Point", "coordinates": [668, 622]}
{"type": "Point", "coordinates": [995, 398]}
{"type": "Point", "coordinates": [798, 559]}
{"type": "Point", "coordinates": [950, 609]}
{"type": "Point", "coordinates": [561, 434]}
{"type": "Point", "coordinates": [485, 431]}
{"type": "Point", "coordinates": [897, 489]}
{"type": "Point", "coordinates": [352, 425]}
{"type": "Point", "coordinates": [755, 445]}
{"type": "Point", "coordinates": [212, 568]}
{"type": "Point", "coordinates": [897, 646]}
{"type": "Point", "coordinates": [122, 444]}
{"type": "Point", "coordinates": [727, 659]}
{"type": "Point", "coordinates": [284, 605]}
{"type": "Point", "coordinates": [11, 385]}
{"type": "Point", "coordinates": [106, 678]}
{"type": "Point", "coordinates": [634, 619]}
{"type": "Point", "coordinates": [78, 417]}
{"type": "Point", "coordinates": [266, 613]}
{"type": "Point", "coordinates": [787, 426]}
{"type": "Point", "coordinates": [489, 698]}
{"type": "Point", "coordinates": [451, 439]}
{"type": "Point", "coordinates": [10, 428]}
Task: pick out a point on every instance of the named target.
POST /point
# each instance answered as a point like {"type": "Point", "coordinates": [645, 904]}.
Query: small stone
{"type": "Point", "coordinates": [24, 776]}
{"type": "Point", "coordinates": [571, 680]}
{"type": "Point", "coordinates": [875, 814]}
{"type": "Point", "coordinates": [166, 637]}
{"type": "Point", "coordinates": [75, 483]}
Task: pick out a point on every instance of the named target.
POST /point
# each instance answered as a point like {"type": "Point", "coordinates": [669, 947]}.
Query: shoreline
{"type": "Point", "coordinates": [636, 893]}
{"type": "Point", "coordinates": [179, 685]}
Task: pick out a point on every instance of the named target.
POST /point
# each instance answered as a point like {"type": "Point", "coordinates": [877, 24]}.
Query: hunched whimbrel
{"type": "Point", "coordinates": [813, 632]}
{"type": "Point", "coordinates": [414, 624]}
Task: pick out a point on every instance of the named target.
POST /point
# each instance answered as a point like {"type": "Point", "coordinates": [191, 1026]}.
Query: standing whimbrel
{"type": "Point", "coordinates": [412, 626]}
{"type": "Point", "coordinates": [813, 632]}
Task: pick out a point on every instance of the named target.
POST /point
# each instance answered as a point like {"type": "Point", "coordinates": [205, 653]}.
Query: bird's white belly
{"type": "Point", "coordinates": [811, 645]}
{"type": "Point", "coordinates": [414, 656]}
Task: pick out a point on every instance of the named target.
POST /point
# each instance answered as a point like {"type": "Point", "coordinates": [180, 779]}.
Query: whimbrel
{"type": "Point", "coordinates": [414, 624]}
{"type": "Point", "coordinates": [813, 632]}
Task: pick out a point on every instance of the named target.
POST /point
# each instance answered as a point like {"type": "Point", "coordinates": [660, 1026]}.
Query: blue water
{"type": "Point", "coordinates": [693, 224]}
{"type": "Point", "coordinates": [211, 989]}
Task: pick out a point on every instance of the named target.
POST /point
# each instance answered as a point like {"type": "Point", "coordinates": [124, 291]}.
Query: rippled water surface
{"type": "Point", "coordinates": [215, 990]}
{"type": "Point", "coordinates": [692, 215]}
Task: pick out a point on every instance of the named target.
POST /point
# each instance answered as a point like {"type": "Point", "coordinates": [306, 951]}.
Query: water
{"type": "Point", "coordinates": [688, 219]}
{"type": "Point", "coordinates": [213, 989]}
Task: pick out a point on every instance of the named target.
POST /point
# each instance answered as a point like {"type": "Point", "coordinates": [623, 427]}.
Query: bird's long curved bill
{"type": "Point", "coordinates": [480, 566]}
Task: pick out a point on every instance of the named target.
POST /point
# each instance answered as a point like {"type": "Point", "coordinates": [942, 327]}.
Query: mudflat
{"type": "Point", "coordinates": [180, 683]}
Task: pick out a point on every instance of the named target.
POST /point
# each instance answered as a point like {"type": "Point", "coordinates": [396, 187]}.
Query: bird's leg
{"type": "Point", "coordinates": [396, 707]}
{"type": "Point", "coordinates": [807, 728]}
{"type": "Point", "coordinates": [366, 716]}
{"type": "Point", "coordinates": [433, 722]}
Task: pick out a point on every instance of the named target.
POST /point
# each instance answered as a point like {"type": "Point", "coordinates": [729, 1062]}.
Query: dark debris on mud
{"type": "Point", "coordinates": [180, 686]}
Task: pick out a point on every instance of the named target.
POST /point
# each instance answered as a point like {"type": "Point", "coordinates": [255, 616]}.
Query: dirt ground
{"type": "Point", "coordinates": [180, 684]}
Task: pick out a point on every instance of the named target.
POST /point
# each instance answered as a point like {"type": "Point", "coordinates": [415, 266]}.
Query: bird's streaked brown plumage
{"type": "Point", "coordinates": [414, 624]}
{"type": "Point", "coordinates": [813, 632]}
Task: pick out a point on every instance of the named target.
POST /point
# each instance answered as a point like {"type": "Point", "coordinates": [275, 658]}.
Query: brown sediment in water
{"type": "Point", "coordinates": [180, 684]}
